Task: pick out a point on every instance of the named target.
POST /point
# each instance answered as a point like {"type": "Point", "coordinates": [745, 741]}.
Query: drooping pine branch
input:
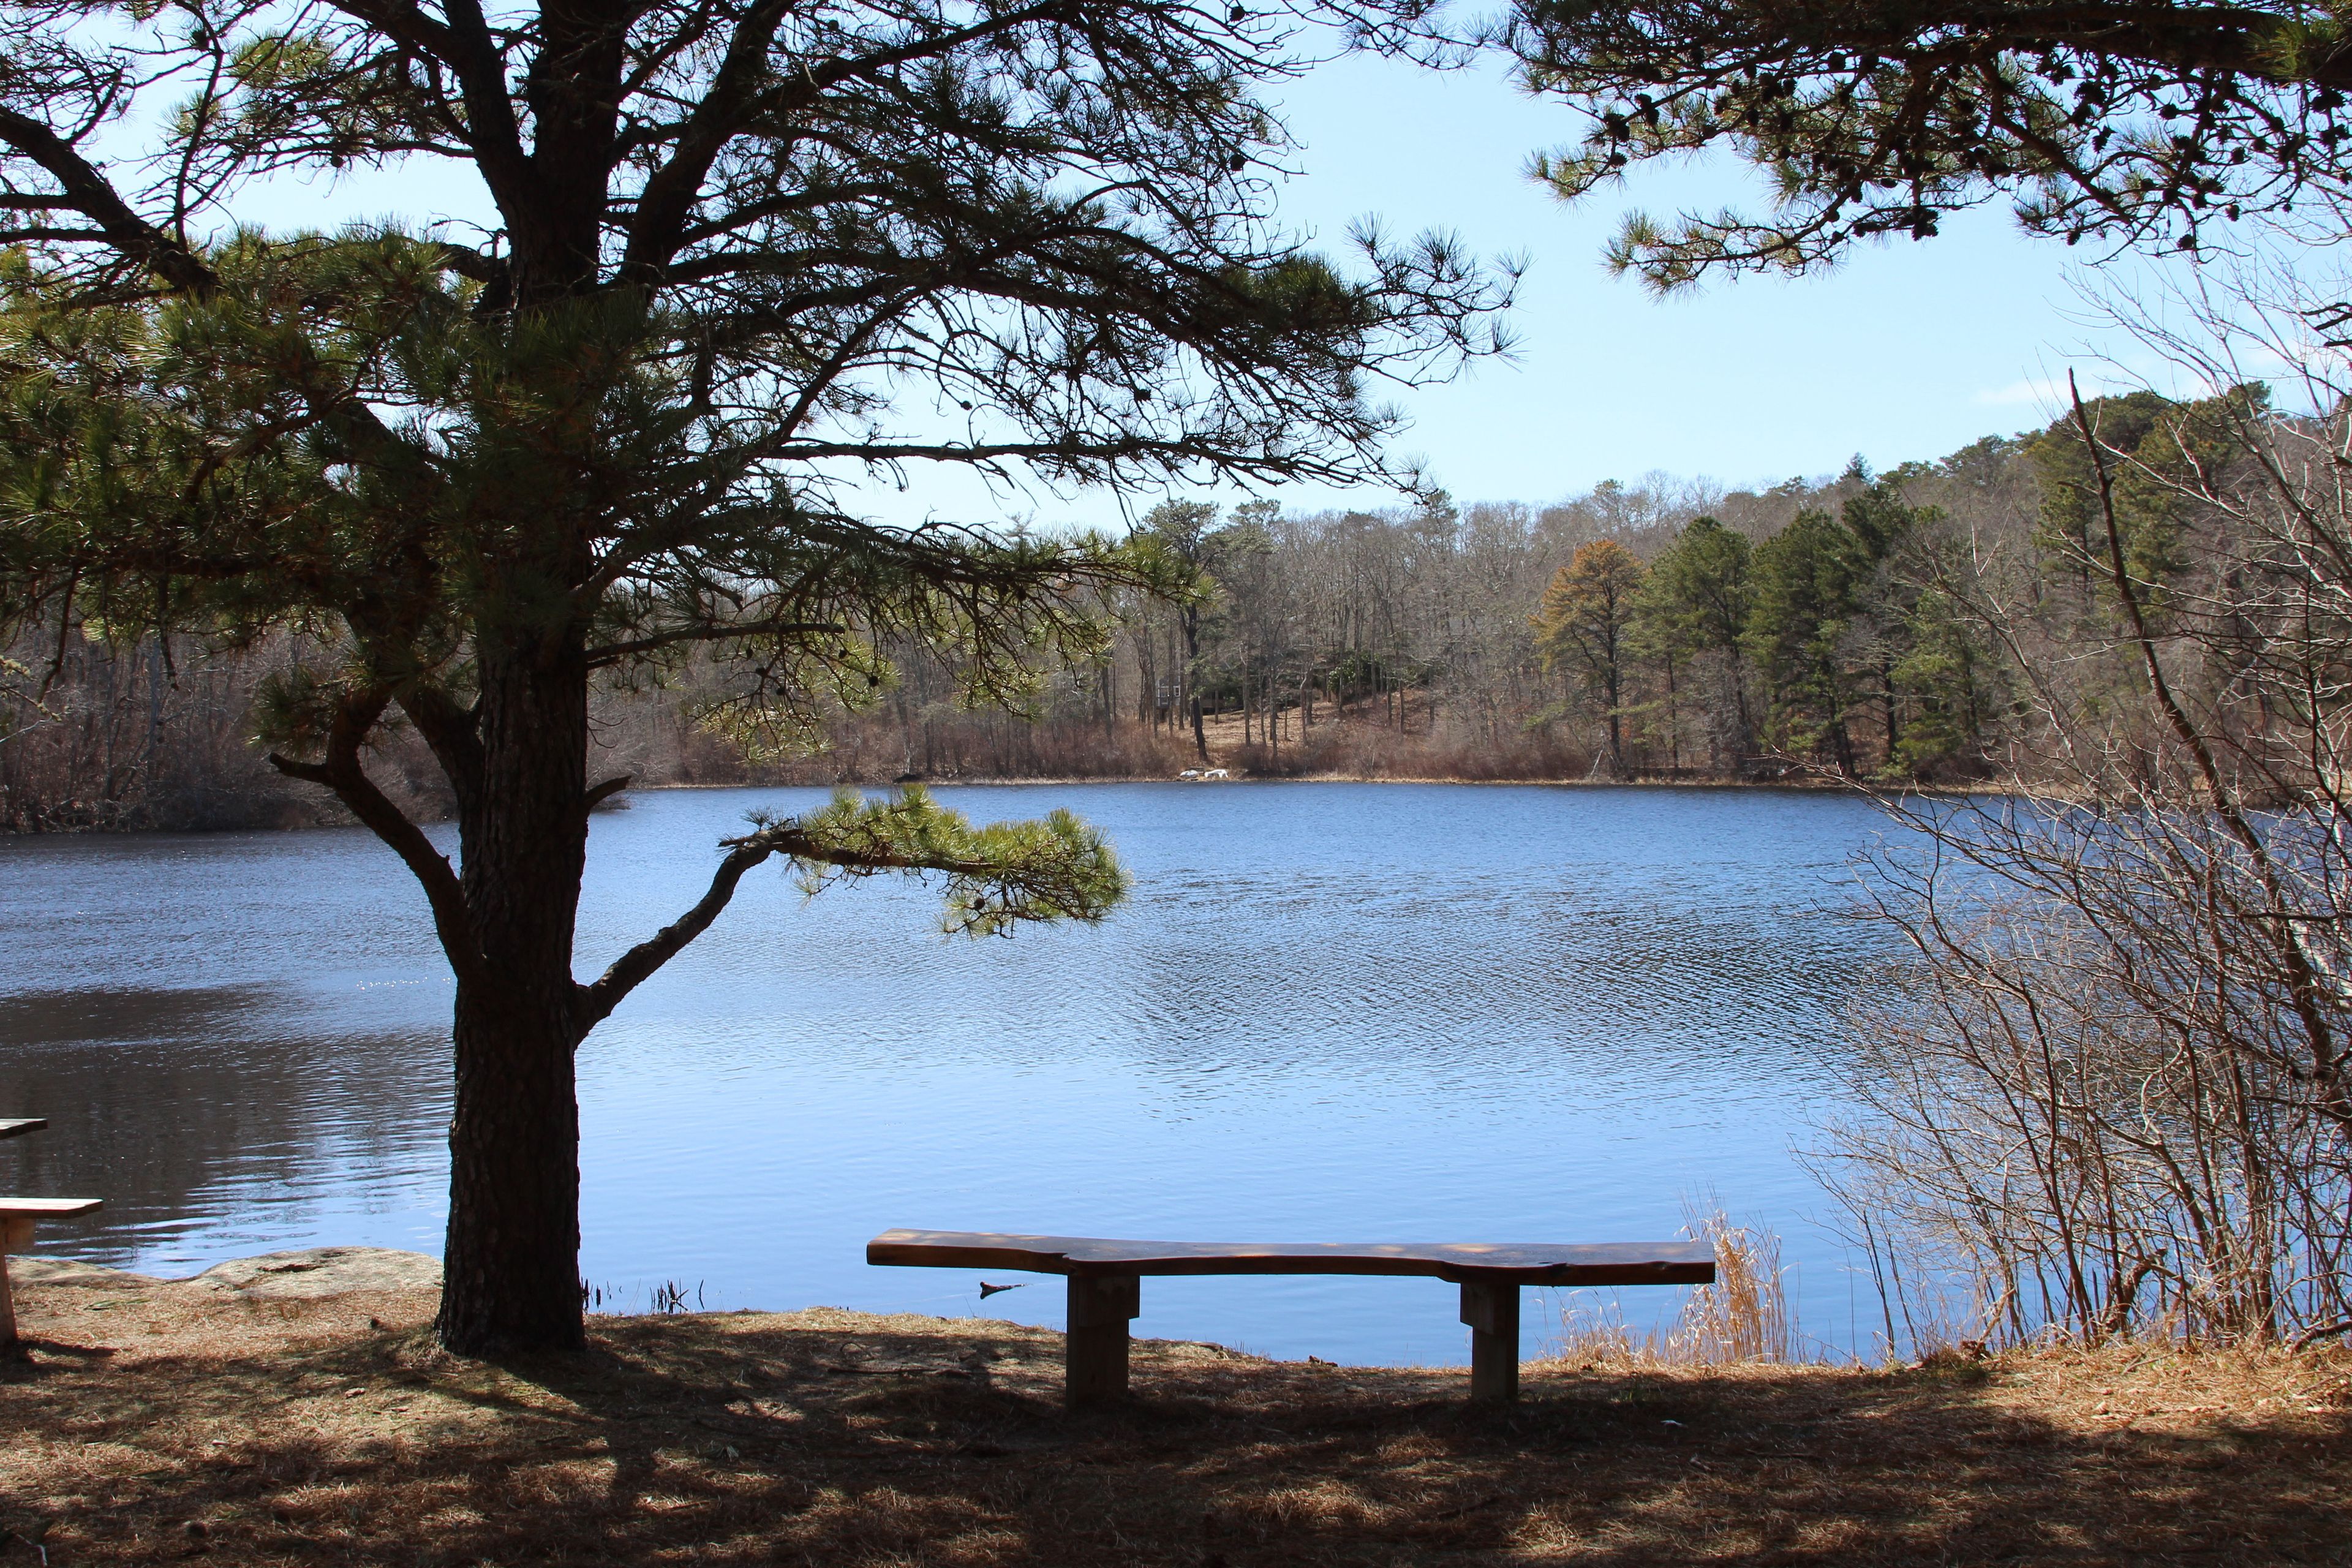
{"type": "Point", "coordinates": [1000, 876]}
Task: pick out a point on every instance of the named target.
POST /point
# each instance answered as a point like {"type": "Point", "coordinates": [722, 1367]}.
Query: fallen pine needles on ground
{"type": "Point", "coordinates": [157, 1422]}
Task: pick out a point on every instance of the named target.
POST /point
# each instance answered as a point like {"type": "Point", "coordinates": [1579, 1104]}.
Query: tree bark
{"type": "Point", "coordinates": [511, 1257]}
{"type": "Point", "coordinates": [1192, 626]}
{"type": "Point", "coordinates": [1674, 718]}
{"type": "Point", "coordinates": [1886, 690]}
{"type": "Point", "coordinates": [1616, 718]}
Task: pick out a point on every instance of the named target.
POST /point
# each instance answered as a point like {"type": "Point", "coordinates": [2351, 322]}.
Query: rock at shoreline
{"type": "Point", "coordinates": [66, 1271]}
{"type": "Point", "coordinates": [308, 1274]}
{"type": "Point", "coordinates": [322, 1271]}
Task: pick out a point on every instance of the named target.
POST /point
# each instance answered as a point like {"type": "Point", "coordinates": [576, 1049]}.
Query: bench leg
{"type": "Point", "coordinates": [1493, 1313]}
{"type": "Point", "coordinates": [1096, 1340]}
{"type": "Point", "coordinates": [16, 1236]}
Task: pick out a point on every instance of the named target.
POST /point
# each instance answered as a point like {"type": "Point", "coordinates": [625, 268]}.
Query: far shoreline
{"type": "Point", "coordinates": [1860, 788]}
{"type": "Point", "coordinates": [996, 780]}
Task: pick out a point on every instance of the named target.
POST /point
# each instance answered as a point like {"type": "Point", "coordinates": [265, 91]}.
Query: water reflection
{"type": "Point", "coordinates": [1329, 1012]}
{"type": "Point", "coordinates": [203, 1126]}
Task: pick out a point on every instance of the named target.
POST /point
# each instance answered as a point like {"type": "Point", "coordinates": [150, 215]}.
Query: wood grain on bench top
{"type": "Point", "coordinates": [10, 1126]}
{"type": "Point", "coordinates": [1607, 1263]}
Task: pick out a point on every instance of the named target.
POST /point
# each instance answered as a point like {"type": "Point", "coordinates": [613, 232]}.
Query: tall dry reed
{"type": "Point", "coordinates": [1745, 1316]}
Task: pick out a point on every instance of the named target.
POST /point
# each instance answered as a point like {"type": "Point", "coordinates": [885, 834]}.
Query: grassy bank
{"type": "Point", "coordinates": [160, 1422]}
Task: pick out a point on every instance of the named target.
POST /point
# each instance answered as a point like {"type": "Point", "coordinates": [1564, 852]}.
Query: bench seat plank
{"type": "Point", "coordinates": [1606, 1263]}
{"type": "Point", "coordinates": [15, 1126]}
{"type": "Point", "coordinates": [46, 1208]}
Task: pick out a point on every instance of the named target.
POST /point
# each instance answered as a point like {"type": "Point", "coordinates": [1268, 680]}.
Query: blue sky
{"type": "Point", "coordinates": [1907, 350]}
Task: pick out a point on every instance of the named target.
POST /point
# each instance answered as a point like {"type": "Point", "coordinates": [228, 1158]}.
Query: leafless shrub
{"type": "Point", "coordinates": [2091, 1116]}
{"type": "Point", "coordinates": [157, 734]}
{"type": "Point", "coordinates": [2117, 1097]}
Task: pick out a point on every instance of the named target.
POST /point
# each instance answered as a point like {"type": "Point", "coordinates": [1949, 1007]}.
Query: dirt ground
{"type": "Point", "coordinates": [156, 1422]}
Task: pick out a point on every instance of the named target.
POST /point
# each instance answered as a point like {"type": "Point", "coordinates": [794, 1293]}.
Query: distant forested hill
{"type": "Point", "coordinates": [1896, 625]}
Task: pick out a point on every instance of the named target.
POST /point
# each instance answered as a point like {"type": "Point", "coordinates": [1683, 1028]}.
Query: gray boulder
{"type": "Point", "coordinates": [66, 1271]}
{"type": "Point", "coordinates": [322, 1271]}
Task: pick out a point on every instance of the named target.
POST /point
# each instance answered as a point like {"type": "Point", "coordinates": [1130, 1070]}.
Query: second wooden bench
{"type": "Point", "coordinates": [1105, 1283]}
{"type": "Point", "coordinates": [17, 1219]}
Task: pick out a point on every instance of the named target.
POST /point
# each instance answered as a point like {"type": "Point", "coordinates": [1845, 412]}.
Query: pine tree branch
{"type": "Point", "coordinates": [599, 794]}
{"type": "Point", "coordinates": [131, 237]}
{"type": "Point", "coordinates": [342, 772]}
{"type": "Point", "coordinates": [594, 1002]}
{"type": "Point", "coordinates": [449, 730]}
{"type": "Point", "coordinates": [998, 876]}
{"type": "Point", "coordinates": [670, 193]}
{"type": "Point", "coordinates": [496, 135]}
{"type": "Point", "coordinates": [613, 653]}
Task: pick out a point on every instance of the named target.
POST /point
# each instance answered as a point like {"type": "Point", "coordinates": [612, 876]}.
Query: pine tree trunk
{"type": "Point", "coordinates": [1616, 724]}
{"type": "Point", "coordinates": [1674, 720]}
{"type": "Point", "coordinates": [1887, 688]}
{"type": "Point", "coordinates": [511, 1257]}
{"type": "Point", "coordinates": [1191, 628]}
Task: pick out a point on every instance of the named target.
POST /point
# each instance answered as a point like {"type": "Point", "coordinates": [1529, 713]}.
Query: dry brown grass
{"type": "Point", "coordinates": [1744, 1316]}
{"type": "Point", "coordinates": [164, 1423]}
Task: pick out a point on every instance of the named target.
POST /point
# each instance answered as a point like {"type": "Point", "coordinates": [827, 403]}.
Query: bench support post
{"type": "Point", "coordinates": [16, 1236]}
{"type": "Point", "coordinates": [1492, 1311]}
{"type": "Point", "coordinates": [1096, 1341]}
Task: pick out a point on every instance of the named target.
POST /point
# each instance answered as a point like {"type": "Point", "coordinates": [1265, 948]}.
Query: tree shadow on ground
{"type": "Point", "coordinates": [836, 1438]}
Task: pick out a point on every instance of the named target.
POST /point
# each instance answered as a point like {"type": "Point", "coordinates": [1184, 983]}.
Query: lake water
{"type": "Point", "coordinates": [1329, 1012]}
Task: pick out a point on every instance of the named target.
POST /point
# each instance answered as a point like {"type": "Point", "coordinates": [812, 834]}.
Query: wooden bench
{"type": "Point", "coordinates": [1105, 1283]}
{"type": "Point", "coordinates": [17, 1219]}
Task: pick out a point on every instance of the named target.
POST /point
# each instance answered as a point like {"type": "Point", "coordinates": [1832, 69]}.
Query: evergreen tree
{"type": "Point", "coordinates": [1954, 684]}
{"type": "Point", "coordinates": [749, 252]}
{"type": "Point", "coordinates": [1584, 626]}
{"type": "Point", "coordinates": [1178, 530]}
{"type": "Point", "coordinates": [1696, 600]}
{"type": "Point", "coordinates": [1881, 525]}
{"type": "Point", "coordinates": [2157, 450]}
{"type": "Point", "coordinates": [2070, 534]}
{"type": "Point", "coordinates": [1805, 578]}
{"type": "Point", "coordinates": [1830, 615]}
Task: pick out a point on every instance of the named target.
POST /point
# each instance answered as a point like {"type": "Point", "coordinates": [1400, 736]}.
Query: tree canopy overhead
{"type": "Point", "coordinates": [2117, 119]}
{"type": "Point", "coordinates": [1045, 222]}
{"type": "Point", "coordinates": [747, 253]}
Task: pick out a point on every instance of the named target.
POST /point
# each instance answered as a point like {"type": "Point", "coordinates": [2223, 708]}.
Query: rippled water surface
{"type": "Point", "coordinates": [1329, 1012]}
